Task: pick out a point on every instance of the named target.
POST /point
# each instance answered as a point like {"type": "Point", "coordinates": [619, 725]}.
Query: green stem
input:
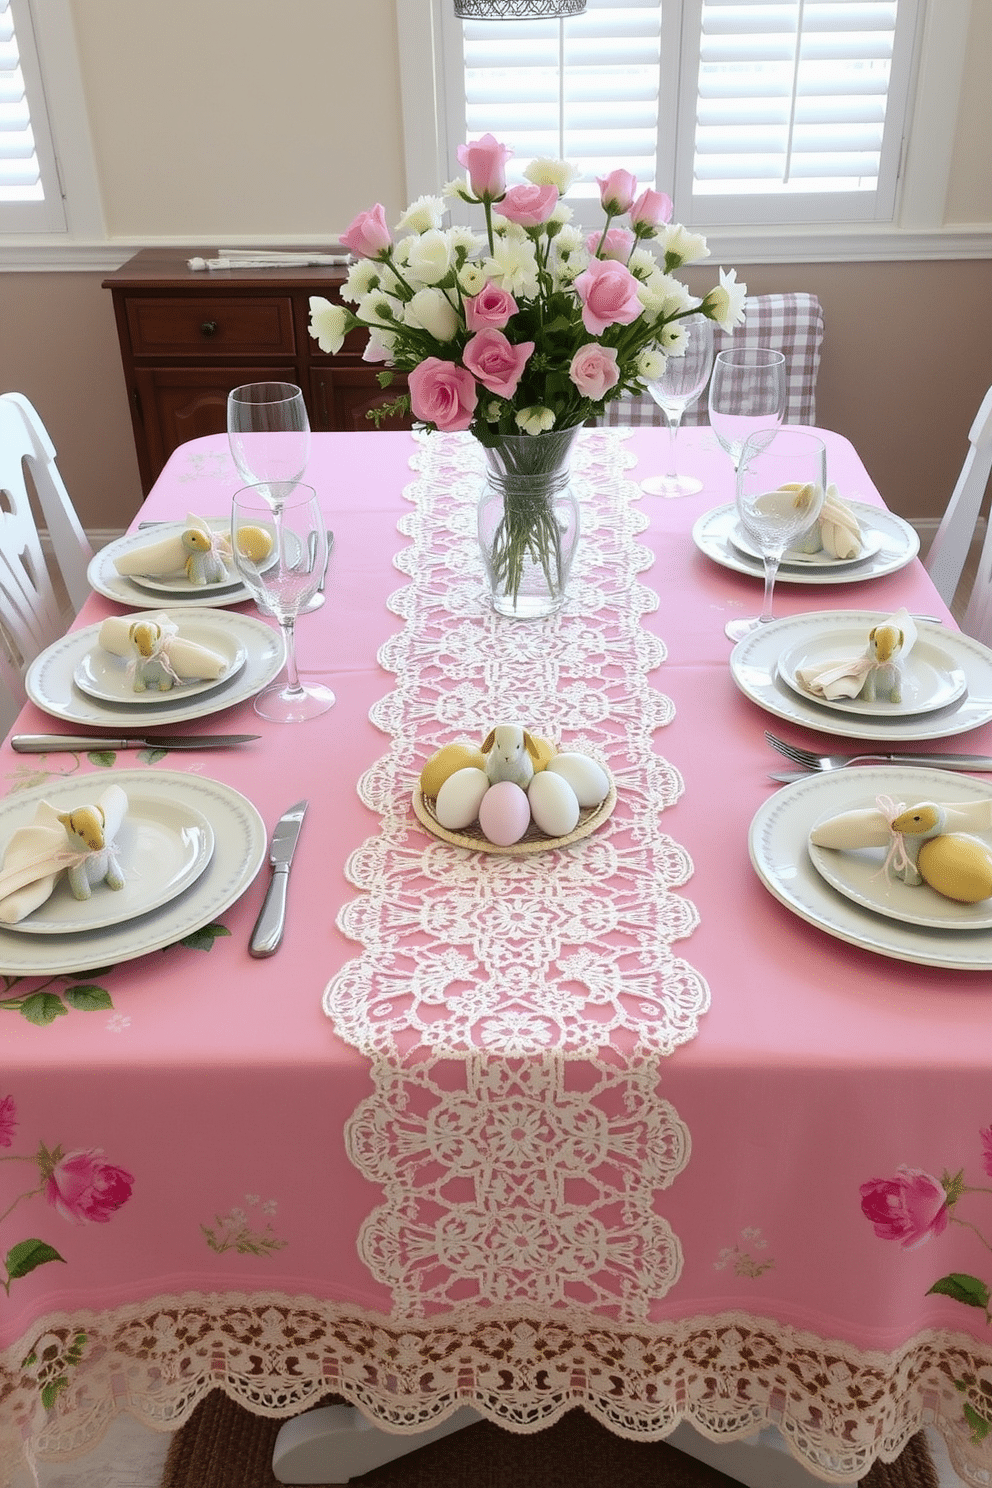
{"type": "Point", "coordinates": [967, 1225]}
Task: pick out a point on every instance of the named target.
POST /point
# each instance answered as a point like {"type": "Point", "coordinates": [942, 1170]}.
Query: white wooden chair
{"type": "Point", "coordinates": [791, 323]}
{"type": "Point", "coordinates": [949, 550]}
{"type": "Point", "coordinates": [33, 613]}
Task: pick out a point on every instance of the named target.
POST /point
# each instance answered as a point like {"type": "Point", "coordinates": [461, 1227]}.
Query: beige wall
{"type": "Point", "coordinates": [244, 119]}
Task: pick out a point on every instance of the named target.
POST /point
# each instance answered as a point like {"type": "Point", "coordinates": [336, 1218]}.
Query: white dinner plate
{"type": "Point", "coordinates": [136, 591]}
{"type": "Point", "coordinates": [778, 844]}
{"type": "Point", "coordinates": [107, 677]}
{"type": "Point", "coordinates": [162, 847]}
{"type": "Point", "coordinates": [239, 851]}
{"type": "Point", "coordinates": [50, 684]}
{"type": "Point", "coordinates": [871, 542]}
{"type": "Point", "coordinates": [754, 668]}
{"type": "Point", "coordinates": [713, 534]}
{"type": "Point", "coordinates": [930, 679]}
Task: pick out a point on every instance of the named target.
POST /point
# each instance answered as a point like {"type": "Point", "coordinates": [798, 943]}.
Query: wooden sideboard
{"type": "Point", "coordinates": [189, 336]}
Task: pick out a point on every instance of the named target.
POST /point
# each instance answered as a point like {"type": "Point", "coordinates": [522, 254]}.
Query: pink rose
{"type": "Point", "coordinates": [485, 161]}
{"type": "Point", "coordinates": [492, 307]}
{"type": "Point", "coordinates": [529, 205]}
{"type": "Point", "coordinates": [608, 292]}
{"type": "Point", "coordinates": [368, 236]}
{"type": "Point", "coordinates": [986, 1136]}
{"type": "Point", "coordinates": [910, 1208]}
{"type": "Point", "coordinates": [86, 1190]}
{"type": "Point", "coordinates": [497, 364]}
{"type": "Point", "coordinates": [650, 209]}
{"type": "Point", "coordinates": [442, 394]}
{"type": "Point", "coordinates": [594, 369]}
{"type": "Point", "coordinates": [8, 1121]}
{"type": "Point", "coordinates": [616, 192]}
{"type": "Point", "coordinates": [616, 243]}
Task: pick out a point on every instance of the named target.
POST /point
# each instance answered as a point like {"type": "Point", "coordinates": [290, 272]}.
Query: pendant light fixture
{"type": "Point", "coordinates": [517, 10]}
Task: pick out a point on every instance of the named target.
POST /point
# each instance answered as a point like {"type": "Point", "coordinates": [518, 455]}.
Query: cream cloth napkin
{"type": "Point", "coordinates": [187, 660]}
{"type": "Point", "coordinates": [843, 677]}
{"type": "Point", "coordinates": [167, 555]}
{"type": "Point", "coordinates": [836, 531]}
{"type": "Point", "coordinates": [868, 826]}
{"type": "Point", "coordinates": [36, 855]}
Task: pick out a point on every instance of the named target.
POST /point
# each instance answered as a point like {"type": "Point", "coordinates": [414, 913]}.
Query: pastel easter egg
{"type": "Point", "coordinates": [588, 779]}
{"type": "Point", "coordinates": [957, 866]}
{"type": "Point", "coordinates": [255, 543]}
{"type": "Point", "coordinates": [545, 751]}
{"type": "Point", "coordinates": [504, 813]}
{"type": "Point", "coordinates": [553, 804]}
{"type": "Point", "coordinates": [445, 761]}
{"type": "Point", "coordinates": [460, 797]}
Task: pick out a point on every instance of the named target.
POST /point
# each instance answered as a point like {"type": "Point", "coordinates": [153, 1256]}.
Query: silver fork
{"type": "Point", "coordinates": [807, 760]}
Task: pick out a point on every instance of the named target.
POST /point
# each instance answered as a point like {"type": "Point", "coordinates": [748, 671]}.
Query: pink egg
{"type": "Point", "coordinates": [504, 813]}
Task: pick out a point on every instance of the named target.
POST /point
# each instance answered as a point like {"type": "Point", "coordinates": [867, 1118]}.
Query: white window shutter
{"type": "Point", "coordinates": [30, 199]}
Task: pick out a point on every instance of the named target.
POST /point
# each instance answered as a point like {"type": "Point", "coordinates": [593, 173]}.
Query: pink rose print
{"type": "Point", "coordinates": [85, 1189]}
{"type": "Point", "coordinates": [616, 192]}
{"type": "Point", "coordinates": [529, 205]}
{"type": "Point", "coordinates": [8, 1121]}
{"type": "Point", "coordinates": [497, 364]}
{"type": "Point", "coordinates": [651, 208]}
{"type": "Point", "coordinates": [490, 309]}
{"type": "Point", "coordinates": [485, 160]}
{"type": "Point", "coordinates": [442, 394]}
{"type": "Point", "coordinates": [594, 369]}
{"type": "Point", "coordinates": [986, 1138]}
{"type": "Point", "coordinates": [368, 236]}
{"type": "Point", "coordinates": [910, 1208]}
{"type": "Point", "coordinates": [608, 292]}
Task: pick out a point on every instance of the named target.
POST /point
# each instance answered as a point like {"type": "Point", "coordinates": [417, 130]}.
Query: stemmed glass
{"type": "Point", "coordinates": [781, 481]}
{"type": "Point", "coordinates": [281, 550]}
{"type": "Point", "coordinates": [747, 394]}
{"type": "Point", "coordinates": [269, 434]}
{"type": "Point", "coordinates": [679, 386]}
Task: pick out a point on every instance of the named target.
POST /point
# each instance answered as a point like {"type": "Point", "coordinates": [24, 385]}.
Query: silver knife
{"type": "Point", "coordinates": [965, 764]}
{"type": "Point", "coordinates": [59, 743]}
{"type": "Point", "coordinates": [271, 921]}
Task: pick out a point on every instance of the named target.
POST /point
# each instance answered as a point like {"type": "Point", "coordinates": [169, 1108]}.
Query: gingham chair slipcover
{"type": "Point", "coordinates": [791, 323]}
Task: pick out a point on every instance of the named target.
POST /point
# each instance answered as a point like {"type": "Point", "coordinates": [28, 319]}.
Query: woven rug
{"type": "Point", "coordinates": [224, 1446]}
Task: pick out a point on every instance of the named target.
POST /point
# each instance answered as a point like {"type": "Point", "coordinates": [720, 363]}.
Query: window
{"type": "Point", "coordinates": [745, 111]}
{"type": "Point", "coordinates": [30, 194]}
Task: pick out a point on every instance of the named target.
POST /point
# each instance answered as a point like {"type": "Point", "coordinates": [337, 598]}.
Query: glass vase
{"type": "Point", "coordinates": [529, 522]}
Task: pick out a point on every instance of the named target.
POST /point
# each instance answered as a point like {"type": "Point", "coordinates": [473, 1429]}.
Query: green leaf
{"type": "Point", "coordinates": [87, 998]}
{"type": "Point", "coordinates": [103, 757]}
{"type": "Point", "coordinates": [202, 940]}
{"type": "Point", "coordinates": [95, 971]}
{"type": "Point", "coordinates": [42, 1008]}
{"type": "Point", "coordinates": [51, 1392]}
{"type": "Point", "coordinates": [980, 1427]}
{"type": "Point", "coordinates": [28, 1255]}
{"type": "Point", "coordinates": [970, 1290]}
{"type": "Point", "coordinates": [151, 756]}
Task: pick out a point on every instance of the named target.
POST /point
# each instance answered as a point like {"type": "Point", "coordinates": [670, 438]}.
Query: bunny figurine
{"type": "Point", "coordinates": [150, 665]}
{"type": "Point", "coordinates": [884, 679]}
{"type": "Point", "coordinates": [510, 755]}
{"type": "Point", "coordinates": [204, 564]}
{"type": "Point", "coordinates": [84, 829]}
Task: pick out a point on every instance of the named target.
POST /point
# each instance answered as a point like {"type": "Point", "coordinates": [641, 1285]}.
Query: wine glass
{"type": "Point", "coordinates": [280, 551]}
{"type": "Point", "coordinates": [747, 394]}
{"type": "Point", "coordinates": [269, 434]}
{"type": "Point", "coordinates": [781, 481]}
{"type": "Point", "coordinates": [679, 385]}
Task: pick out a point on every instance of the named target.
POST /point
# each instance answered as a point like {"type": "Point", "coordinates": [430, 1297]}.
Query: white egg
{"type": "Point", "coordinates": [553, 804]}
{"type": "Point", "coordinates": [504, 814]}
{"type": "Point", "coordinates": [588, 779]}
{"type": "Point", "coordinates": [460, 797]}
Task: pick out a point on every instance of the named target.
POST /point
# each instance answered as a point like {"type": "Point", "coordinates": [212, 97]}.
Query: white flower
{"type": "Point", "coordinates": [458, 187]}
{"type": "Point", "coordinates": [463, 239]}
{"type": "Point", "coordinates": [379, 308]}
{"type": "Point", "coordinates": [570, 240]}
{"type": "Point", "coordinates": [514, 266]}
{"type": "Point", "coordinates": [535, 420]}
{"type": "Point", "coordinates": [663, 296]}
{"type": "Point", "coordinates": [380, 346]}
{"type": "Point", "coordinates": [562, 214]}
{"type": "Point", "coordinates": [472, 278]}
{"type": "Point", "coordinates": [725, 304]}
{"type": "Point", "coordinates": [549, 172]}
{"type": "Point", "coordinates": [432, 311]}
{"type": "Point", "coordinates": [651, 364]}
{"type": "Point", "coordinates": [493, 411]}
{"type": "Point", "coordinates": [424, 213]}
{"type": "Point", "coordinates": [673, 338]}
{"type": "Point", "coordinates": [363, 277]}
{"type": "Point", "coordinates": [687, 247]}
{"type": "Point", "coordinates": [429, 256]}
{"type": "Point", "coordinates": [328, 323]}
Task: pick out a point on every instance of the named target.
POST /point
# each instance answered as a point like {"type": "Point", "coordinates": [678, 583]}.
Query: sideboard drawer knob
{"type": "Point", "coordinates": [208, 328]}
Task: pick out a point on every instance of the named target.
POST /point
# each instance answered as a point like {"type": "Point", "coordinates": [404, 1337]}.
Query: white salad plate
{"type": "Point", "coordinates": [239, 851]}
{"type": "Point", "coordinates": [754, 666]}
{"type": "Point", "coordinates": [144, 590]}
{"type": "Point", "coordinates": [717, 534]}
{"type": "Point", "coordinates": [871, 542]}
{"type": "Point", "coordinates": [778, 842]}
{"type": "Point", "coordinates": [163, 846]}
{"type": "Point", "coordinates": [930, 678]}
{"type": "Point", "coordinates": [50, 680]}
{"type": "Point", "coordinates": [108, 678]}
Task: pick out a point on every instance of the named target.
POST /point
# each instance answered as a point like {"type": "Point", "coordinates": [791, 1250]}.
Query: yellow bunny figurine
{"type": "Point", "coordinates": [84, 829]}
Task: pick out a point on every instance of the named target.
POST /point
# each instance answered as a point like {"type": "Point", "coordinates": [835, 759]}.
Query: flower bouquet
{"type": "Point", "coordinates": [525, 330]}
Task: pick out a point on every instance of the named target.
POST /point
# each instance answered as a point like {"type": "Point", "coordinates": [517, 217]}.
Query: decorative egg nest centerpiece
{"type": "Point", "coordinates": [513, 793]}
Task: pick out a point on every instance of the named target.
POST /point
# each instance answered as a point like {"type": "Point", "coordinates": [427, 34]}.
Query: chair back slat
{"type": "Point", "coordinates": [949, 550]}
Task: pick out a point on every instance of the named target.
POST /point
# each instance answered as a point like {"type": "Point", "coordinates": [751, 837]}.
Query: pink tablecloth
{"type": "Point", "coordinates": [207, 1152]}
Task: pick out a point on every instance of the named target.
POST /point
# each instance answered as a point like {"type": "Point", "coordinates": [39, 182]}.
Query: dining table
{"type": "Point", "coordinates": [660, 1123]}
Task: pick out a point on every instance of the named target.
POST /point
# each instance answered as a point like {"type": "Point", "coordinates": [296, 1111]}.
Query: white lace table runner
{"type": "Point", "coordinates": [569, 950]}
